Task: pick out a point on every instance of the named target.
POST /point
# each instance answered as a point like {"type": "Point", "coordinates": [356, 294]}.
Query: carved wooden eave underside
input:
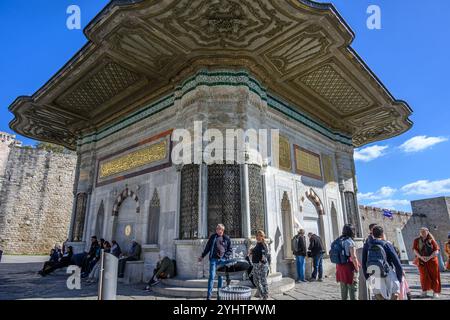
{"type": "Point", "coordinates": [140, 50]}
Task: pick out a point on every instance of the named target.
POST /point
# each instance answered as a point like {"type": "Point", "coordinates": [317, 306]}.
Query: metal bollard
{"type": "Point", "coordinates": [107, 284]}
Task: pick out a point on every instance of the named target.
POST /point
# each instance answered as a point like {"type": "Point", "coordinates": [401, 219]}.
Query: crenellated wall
{"type": "Point", "coordinates": [430, 213]}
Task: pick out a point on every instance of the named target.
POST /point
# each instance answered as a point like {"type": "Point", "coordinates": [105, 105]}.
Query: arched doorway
{"type": "Point", "coordinates": [286, 215]}
{"type": "Point", "coordinates": [100, 221]}
{"type": "Point", "coordinates": [313, 215]}
{"type": "Point", "coordinates": [125, 213]}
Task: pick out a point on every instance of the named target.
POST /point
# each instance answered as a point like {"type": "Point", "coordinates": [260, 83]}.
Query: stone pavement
{"type": "Point", "coordinates": [19, 280]}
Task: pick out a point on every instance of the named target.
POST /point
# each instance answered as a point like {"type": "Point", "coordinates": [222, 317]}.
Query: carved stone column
{"type": "Point", "coordinates": [203, 202]}
{"type": "Point", "coordinates": [245, 202]}
{"type": "Point", "coordinates": [346, 178]}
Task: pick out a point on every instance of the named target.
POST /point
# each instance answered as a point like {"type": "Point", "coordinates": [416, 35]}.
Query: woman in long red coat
{"type": "Point", "coordinates": [427, 250]}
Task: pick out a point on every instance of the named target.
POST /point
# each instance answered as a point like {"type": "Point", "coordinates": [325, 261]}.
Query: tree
{"type": "Point", "coordinates": [50, 147]}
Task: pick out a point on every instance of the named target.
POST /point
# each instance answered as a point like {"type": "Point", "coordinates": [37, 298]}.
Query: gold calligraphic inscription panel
{"type": "Point", "coordinates": [285, 162]}
{"type": "Point", "coordinates": [328, 171]}
{"type": "Point", "coordinates": [155, 152]}
{"type": "Point", "coordinates": [307, 163]}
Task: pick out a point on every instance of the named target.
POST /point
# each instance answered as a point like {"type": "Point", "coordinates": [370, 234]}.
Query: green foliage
{"type": "Point", "coordinates": [50, 147]}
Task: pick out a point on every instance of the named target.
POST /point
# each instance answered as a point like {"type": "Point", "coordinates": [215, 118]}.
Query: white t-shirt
{"type": "Point", "coordinates": [348, 244]}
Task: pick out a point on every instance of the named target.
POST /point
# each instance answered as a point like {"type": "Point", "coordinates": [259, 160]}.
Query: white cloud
{"type": "Point", "coordinates": [383, 192]}
{"type": "Point", "coordinates": [427, 188]}
{"type": "Point", "coordinates": [420, 143]}
{"type": "Point", "coordinates": [369, 153]}
{"type": "Point", "coordinates": [393, 204]}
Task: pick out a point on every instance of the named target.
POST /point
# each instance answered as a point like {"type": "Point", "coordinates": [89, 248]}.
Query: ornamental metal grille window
{"type": "Point", "coordinates": [257, 216]}
{"type": "Point", "coordinates": [189, 202]}
{"type": "Point", "coordinates": [224, 198]}
{"type": "Point", "coordinates": [80, 216]}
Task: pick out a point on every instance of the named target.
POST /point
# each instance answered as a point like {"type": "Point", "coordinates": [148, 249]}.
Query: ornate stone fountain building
{"type": "Point", "coordinates": [151, 67]}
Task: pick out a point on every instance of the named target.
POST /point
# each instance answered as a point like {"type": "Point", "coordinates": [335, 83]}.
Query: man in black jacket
{"type": "Point", "coordinates": [316, 251]}
{"type": "Point", "coordinates": [299, 251]}
{"type": "Point", "coordinates": [90, 256]}
{"type": "Point", "coordinates": [219, 249]}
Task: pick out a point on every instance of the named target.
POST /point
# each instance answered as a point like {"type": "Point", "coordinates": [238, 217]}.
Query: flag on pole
{"type": "Point", "coordinates": [388, 214]}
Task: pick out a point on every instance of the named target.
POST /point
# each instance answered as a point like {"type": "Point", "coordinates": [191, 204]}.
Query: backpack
{"type": "Point", "coordinates": [376, 256]}
{"type": "Point", "coordinates": [337, 252]}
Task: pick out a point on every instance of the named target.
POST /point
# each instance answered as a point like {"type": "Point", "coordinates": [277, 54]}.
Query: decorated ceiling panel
{"type": "Point", "coordinates": [300, 50]}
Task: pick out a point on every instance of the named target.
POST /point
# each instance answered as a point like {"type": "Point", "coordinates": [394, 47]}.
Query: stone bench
{"type": "Point", "coordinates": [134, 272]}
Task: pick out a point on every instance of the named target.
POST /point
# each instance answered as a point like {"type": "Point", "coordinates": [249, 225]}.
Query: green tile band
{"type": "Point", "coordinates": [212, 79]}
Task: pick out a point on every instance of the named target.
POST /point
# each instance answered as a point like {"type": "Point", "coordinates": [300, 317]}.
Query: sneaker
{"type": "Point", "coordinates": [156, 282]}
{"type": "Point", "coordinates": [320, 280]}
{"type": "Point", "coordinates": [312, 280]}
{"type": "Point", "coordinates": [303, 281]}
{"type": "Point", "coordinates": [424, 294]}
{"type": "Point", "coordinates": [435, 295]}
{"type": "Point", "coordinates": [147, 288]}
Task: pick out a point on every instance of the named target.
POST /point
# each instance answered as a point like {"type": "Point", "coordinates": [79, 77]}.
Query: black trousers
{"type": "Point", "coordinates": [122, 263]}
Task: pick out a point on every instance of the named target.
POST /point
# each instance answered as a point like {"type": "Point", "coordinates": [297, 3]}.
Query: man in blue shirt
{"type": "Point", "coordinates": [219, 249]}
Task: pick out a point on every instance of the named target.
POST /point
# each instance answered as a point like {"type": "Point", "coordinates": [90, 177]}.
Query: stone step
{"type": "Point", "coordinates": [203, 283]}
{"type": "Point", "coordinates": [277, 287]}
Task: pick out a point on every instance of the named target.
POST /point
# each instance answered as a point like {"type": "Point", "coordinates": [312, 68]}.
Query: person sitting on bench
{"type": "Point", "coordinates": [134, 254]}
{"type": "Point", "coordinates": [165, 269]}
{"type": "Point", "coordinates": [64, 261]}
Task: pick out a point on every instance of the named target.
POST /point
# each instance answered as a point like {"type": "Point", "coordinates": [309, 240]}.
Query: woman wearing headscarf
{"type": "Point", "coordinates": [426, 250]}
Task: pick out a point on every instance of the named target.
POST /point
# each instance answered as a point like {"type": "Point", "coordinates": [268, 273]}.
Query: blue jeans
{"type": "Point", "coordinates": [300, 267]}
{"type": "Point", "coordinates": [213, 265]}
{"type": "Point", "coordinates": [317, 260]}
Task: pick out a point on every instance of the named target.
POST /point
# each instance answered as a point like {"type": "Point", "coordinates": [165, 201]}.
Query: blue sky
{"type": "Point", "coordinates": [409, 54]}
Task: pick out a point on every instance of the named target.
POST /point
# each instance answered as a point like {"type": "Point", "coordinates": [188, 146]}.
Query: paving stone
{"type": "Point", "coordinates": [21, 281]}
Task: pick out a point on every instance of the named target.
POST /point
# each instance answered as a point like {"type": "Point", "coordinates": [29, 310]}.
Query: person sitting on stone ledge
{"type": "Point", "coordinates": [165, 268]}
{"type": "Point", "coordinates": [63, 262]}
{"type": "Point", "coordinates": [95, 273]}
{"type": "Point", "coordinates": [133, 255]}
{"type": "Point", "coordinates": [86, 263]}
{"type": "Point", "coordinates": [95, 258]}
{"type": "Point", "coordinates": [54, 255]}
{"type": "Point", "coordinates": [115, 249]}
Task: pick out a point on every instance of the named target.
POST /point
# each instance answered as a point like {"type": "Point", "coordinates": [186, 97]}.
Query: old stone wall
{"type": "Point", "coordinates": [35, 200]}
{"type": "Point", "coordinates": [433, 214]}
{"type": "Point", "coordinates": [371, 215]}
{"type": "Point", "coordinates": [437, 212]}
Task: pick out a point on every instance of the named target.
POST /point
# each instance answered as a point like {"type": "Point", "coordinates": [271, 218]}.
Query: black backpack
{"type": "Point", "coordinates": [376, 256]}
